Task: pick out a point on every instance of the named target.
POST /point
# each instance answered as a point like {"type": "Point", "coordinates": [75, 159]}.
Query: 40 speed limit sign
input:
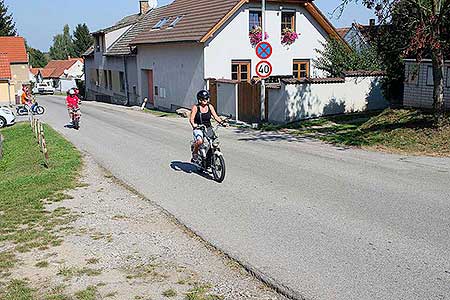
{"type": "Point", "coordinates": [264, 69]}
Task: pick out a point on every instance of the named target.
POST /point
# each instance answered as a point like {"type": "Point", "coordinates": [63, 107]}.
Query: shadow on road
{"type": "Point", "coordinates": [188, 168]}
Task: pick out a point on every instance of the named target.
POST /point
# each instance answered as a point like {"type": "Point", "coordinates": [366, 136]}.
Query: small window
{"type": "Point", "coordinates": [175, 22]}
{"type": "Point", "coordinates": [301, 69]}
{"type": "Point", "coordinates": [161, 23]}
{"type": "Point", "coordinates": [105, 79]}
{"type": "Point", "coordinates": [122, 81]}
{"type": "Point", "coordinates": [240, 70]}
{"type": "Point", "coordinates": [255, 20]}
{"type": "Point", "coordinates": [110, 80]}
{"type": "Point", "coordinates": [448, 77]}
{"type": "Point", "coordinates": [287, 20]}
{"type": "Point", "coordinates": [412, 74]}
{"type": "Point", "coordinates": [430, 76]}
{"type": "Point", "coordinates": [156, 91]}
{"type": "Point", "coordinates": [97, 79]}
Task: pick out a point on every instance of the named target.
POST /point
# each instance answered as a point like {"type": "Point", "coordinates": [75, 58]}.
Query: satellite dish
{"type": "Point", "coordinates": [153, 4]}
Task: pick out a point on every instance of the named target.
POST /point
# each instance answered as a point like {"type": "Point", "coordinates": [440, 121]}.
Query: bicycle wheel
{"type": "Point", "coordinates": [218, 168]}
{"type": "Point", "coordinates": [40, 110]}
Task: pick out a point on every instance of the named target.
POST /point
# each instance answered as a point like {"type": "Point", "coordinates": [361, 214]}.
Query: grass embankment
{"type": "Point", "coordinates": [160, 113]}
{"type": "Point", "coordinates": [25, 185]}
{"type": "Point", "coordinates": [399, 131]}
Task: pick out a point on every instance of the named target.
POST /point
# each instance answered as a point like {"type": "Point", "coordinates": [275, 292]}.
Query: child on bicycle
{"type": "Point", "coordinates": [72, 102]}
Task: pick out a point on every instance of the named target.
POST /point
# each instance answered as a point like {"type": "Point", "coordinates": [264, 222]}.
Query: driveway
{"type": "Point", "coordinates": [319, 222]}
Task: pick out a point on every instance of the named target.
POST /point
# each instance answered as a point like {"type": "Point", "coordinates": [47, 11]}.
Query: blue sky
{"type": "Point", "coordinates": [39, 20]}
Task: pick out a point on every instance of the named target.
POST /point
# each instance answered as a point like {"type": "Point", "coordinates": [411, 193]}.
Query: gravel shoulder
{"type": "Point", "coordinates": [121, 246]}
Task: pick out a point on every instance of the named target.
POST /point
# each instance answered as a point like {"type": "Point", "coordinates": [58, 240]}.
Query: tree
{"type": "Point", "coordinates": [336, 58]}
{"type": "Point", "coordinates": [37, 58]}
{"type": "Point", "coordinates": [82, 39]}
{"type": "Point", "coordinates": [425, 27]}
{"type": "Point", "coordinates": [7, 25]}
{"type": "Point", "coordinates": [62, 45]}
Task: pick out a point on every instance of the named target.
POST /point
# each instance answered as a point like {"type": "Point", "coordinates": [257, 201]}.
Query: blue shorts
{"type": "Point", "coordinates": [198, 134]}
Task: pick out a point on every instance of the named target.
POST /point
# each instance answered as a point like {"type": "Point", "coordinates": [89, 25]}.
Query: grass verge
{"type": "Point", "coordinates": [161, 114]}
{"type": "Point", "coordinates": [25, 183]}
{"type": "Point", "coordinates": [398, 131]}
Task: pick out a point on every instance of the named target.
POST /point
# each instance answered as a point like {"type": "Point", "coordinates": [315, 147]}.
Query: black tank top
{"type": "Point", "coordinates": [203, 118]}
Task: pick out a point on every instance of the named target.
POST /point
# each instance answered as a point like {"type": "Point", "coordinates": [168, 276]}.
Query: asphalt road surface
{"type": "Point", "coordinates": [320, 222]}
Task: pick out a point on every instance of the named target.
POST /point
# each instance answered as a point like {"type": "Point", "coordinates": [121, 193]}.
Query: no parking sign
{"type": "Point", "coordinates": [264, 68]}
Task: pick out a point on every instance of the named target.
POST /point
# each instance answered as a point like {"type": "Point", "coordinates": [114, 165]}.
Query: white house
{"type": "Point", "coordinates": [183, 44]}
{"type": "Point", "coordinates": [111, 69]}
{"type": "Point", "coordinates": [63, 73]}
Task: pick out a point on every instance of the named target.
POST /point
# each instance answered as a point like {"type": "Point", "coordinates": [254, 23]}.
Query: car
{"type": "Point", "coordinates": [6, 117]}
{"type": "Point", "coordinates": [44, 88]}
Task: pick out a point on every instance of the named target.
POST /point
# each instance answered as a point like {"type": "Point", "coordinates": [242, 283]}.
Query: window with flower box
{"type": "Point", "coordinates": [255, 20]}
{"type": "Point", "coordinates": [240, 70]}
{"type": "Point", "coordinates": [288, 20]}
{"type": "Point", "coordinates": [301, 69]}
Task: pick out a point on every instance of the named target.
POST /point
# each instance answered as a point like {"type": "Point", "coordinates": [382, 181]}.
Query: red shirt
{"type": "Point", "coordinates": [72, 101]}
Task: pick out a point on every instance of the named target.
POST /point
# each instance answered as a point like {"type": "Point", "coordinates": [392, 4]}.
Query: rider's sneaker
{"type": "Point", "coordinates": [194, 159]}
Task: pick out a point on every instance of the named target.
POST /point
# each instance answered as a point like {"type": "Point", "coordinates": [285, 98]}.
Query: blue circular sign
{"type": "Point", "coordinates": [264, 50]}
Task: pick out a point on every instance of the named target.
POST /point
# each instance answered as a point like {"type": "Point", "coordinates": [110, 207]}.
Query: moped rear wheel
{"type": "Point", "coordinates": [218, 168]}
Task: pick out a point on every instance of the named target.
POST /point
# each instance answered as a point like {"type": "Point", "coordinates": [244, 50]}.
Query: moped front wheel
{"type": "Point", "coordinates": [40, 110]}
{"type": "Point", "coordinates": [218, 168]}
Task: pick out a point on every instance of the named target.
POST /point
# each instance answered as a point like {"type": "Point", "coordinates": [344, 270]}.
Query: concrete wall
{"type": "Point", "coordinates": [227, 97]}
{"type": "Point", "coordinates": [20, 75]}
{"type": "Point", "coordinates": [299, 101]}
{"type": "Point", "coordinates": [76, 70]}
{"type": "Point", "coordinates": [7, 93]}
{"type": "Point", "coordinates": [419, 86]}
{"type": "Point", "coordinates": [178, 72]}
{"type": "Point", "coordinates": [233, 43]}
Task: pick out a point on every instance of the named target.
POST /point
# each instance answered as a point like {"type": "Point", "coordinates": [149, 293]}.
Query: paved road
{"type": "Point", "coordinates": [325, 222]}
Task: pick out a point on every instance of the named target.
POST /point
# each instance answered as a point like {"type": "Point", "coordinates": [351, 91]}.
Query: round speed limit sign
{"type": "Point", "coordinates": [263, 69]}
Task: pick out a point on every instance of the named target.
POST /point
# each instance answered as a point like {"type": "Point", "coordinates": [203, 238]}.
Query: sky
{"type": "Point", "coordinates": [39, 20]}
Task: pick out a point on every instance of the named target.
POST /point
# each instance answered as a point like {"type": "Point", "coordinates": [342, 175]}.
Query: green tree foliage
{"type": "Point", "coordinates": [7, 25]}
{"type": "Point", "coordinates": [63, 47]}
{"type": "Point", "coordinates": [37, 58]}
{"type": "Point", "coordinates": [336, 58]}
{"type": "Point", "coordinates": [82, 39]}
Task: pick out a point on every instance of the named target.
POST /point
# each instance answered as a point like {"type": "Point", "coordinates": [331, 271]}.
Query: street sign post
{"type": "Point", "coordinates": [264, 69]}
{"type": "Point", "coordinates": [263, 82]}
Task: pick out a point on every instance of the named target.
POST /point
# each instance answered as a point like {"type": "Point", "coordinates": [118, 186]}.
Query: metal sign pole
{"type": "Point", "coordinates": [263, 81]}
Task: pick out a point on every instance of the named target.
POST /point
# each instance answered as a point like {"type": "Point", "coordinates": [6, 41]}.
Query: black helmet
{"type": "Point", "coordinates": [203, 94]}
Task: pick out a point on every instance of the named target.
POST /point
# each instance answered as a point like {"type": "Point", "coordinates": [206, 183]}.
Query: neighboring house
{"type": "Point", "coordinates": [63, 73]}
{"type": "Point", "coordinates": [6, 89]}
{"type": "Point", "coordinates": [183, 44]}
{"type": "Point", "coordinates": [111, 68]}
{"type": "Point", "coordinates": [418, 91]}
{"type": "Point", "coordinates": [360, 36]}
{"type": "Point", "coordinates": [14, 48]}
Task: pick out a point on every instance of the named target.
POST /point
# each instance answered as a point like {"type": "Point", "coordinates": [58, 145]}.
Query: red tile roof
{"type": "Point", "coordinates": [5, 68]}
{"type": "Point", "coordinates": [15, 48]}
{"type": "Point", "coordinates": [56, 68]}
{"type": "Point", "coordinates": [343, 31]}
{"type": "Point", "coordinates": [35, 71]}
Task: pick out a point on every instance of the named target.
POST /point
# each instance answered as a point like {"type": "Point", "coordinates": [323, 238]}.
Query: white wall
{"type": "Point", "coordinates": [233, 43]}
{"type": "Point", "coordinates": [177, 68]}
{"type": "Point", "coordinates": [299, 101]}
{"type": "Point", "coordinates": [76, 70]}
{"type": "Point", "coordinates": [112, 37]}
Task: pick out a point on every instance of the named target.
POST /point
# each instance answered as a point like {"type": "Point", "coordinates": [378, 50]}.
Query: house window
{"type": "Point", "coordinates": [430, 76]}
{"type": "Point", "coordinates": [301, 69]}
{"type": "Point", "coordinates": [287, 20]}
{"type": "Point", "coordinates": [161, 23]}
{"type": "Point", "coordinates": [255, 20]}
{"type": "Point", "coordinates": [122, 81]}
{"type": "Point", "coordinates": [240, 70]}
{"type": "Point", "coordinates": [105, 79]}
{"type": "Point", "coordinates": [448, 77]}
{"type": "Point", "coordinates": [175, 22]}
{"type": "Point", "coordinates": [110, 82]}
{"type": "Point", "coordinates": [413, 74]}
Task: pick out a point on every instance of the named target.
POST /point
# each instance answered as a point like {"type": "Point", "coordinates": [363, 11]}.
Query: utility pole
{"type": "Point", "coordinates": [263, 81]}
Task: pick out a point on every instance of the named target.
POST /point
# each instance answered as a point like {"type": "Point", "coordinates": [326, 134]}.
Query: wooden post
{"type": "Point", "coordinates": [41, 135]}
{"type": "Point", "coordinates": [1, 146]}
{"type": "Point", "coordinates": [45, 152]}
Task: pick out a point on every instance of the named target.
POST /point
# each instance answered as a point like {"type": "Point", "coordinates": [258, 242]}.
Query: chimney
{"type": "Point", "coordinates": [144, 6]}
{"type": "Point", "coordinates": [372, 22]}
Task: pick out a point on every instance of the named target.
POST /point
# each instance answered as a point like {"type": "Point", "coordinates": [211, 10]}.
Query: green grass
{"type": "Point", "coordinates": [161, 114]}
{"type": "Point", "coordinates": [17, 290]}
{"type": "Point", "coordinates": [25, 183]}
{"type": "Point", "coordinates": [169, 293]}
{"type": "Point", "coordinates": [400, 130]}
{"type": "Point", "coordinates": [42, 264]}
{"type": "Point", "coordinates": [88, 294]}
{"type": "Point", "coordinates": [201, 292]}
{"type": "Point", "coordinates": [70, 272]}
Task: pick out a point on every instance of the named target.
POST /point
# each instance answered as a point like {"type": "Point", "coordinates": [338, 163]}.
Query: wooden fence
{"type": "Point", "coordinates": [38, 130]}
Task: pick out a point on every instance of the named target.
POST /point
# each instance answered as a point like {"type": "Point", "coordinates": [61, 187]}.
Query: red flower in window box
{"type": "Point", "coordinates": [255, 36]}
{"type": "Point", "coordinates": [288, 37]}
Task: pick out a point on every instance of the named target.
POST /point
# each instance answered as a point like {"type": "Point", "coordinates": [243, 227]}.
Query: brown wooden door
{"type": "Point", "coordinates": [250, 103]}
{"type": "Point", "coordinates": [213, 92]}
{"type": "Point", "coordinates": [151, 97]}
